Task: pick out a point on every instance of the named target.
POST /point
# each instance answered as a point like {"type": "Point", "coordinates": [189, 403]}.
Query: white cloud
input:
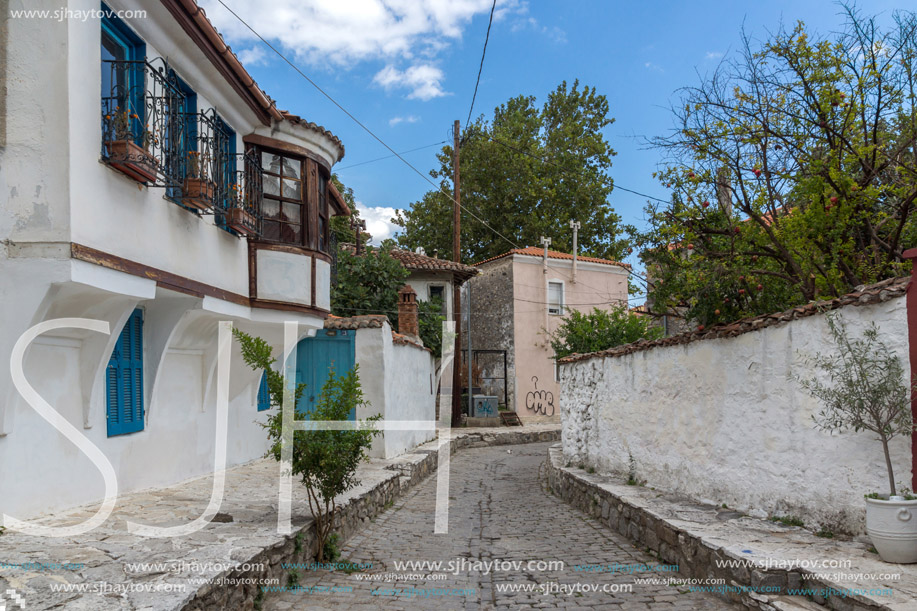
{"type": "Point", "coordinates": [653, 67]}
{"type": "Point", "coordinates": [253, 56]}
{"type": "Point", "coordinates": [713, 55]}
{"type": "Point", "coordinates": [344, 33]}
{"type": "Point", "coordinates": [424, 81]}
{"type": "Point", "coordinates": [378, 221]}
{"type": "Point", "coordinates": [408, 119]}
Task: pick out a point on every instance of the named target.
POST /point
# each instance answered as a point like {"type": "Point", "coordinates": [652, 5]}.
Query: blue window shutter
{"type": "Point", "coordinates": [124, 45]}
{"type": "Point", "coordinates": [124, 379]}
{"type": "Point", "coordinates": [264, 397]}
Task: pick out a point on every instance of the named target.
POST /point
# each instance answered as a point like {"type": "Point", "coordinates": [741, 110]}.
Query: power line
{"type": "Point", "coordinates": [358, 122]}
{"type": "Point", "coordinates": [419, 148]}
{"type": "Point", "coordinates": [481, 67]}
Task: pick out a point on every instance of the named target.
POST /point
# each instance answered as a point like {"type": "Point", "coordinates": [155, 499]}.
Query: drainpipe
{"type": "Point", "coordinates": [912, 351]}
{"type": "Point", "coordinates": [575, 226]}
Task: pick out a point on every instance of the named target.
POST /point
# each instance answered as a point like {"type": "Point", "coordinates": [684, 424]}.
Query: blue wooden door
{"type": "Point", "coordinates": [316, 357]}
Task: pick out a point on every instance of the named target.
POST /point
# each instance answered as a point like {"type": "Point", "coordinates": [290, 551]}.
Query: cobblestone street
{"type": "Point", "coordinates": [499, 510]}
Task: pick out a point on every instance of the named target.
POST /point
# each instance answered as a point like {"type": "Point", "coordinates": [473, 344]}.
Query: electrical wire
{"type": "Point", "coordinates": [366, 129]}
{"type": "Point", "coordinates": [419, 148]}
{"type": "Point", "coordinates": [481, 67]}
{"type": "Point", "coordinates": [393, 152]}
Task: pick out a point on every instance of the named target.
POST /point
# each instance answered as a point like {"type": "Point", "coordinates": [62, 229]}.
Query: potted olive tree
{"type": "Point", "coordinates": [865, 391]}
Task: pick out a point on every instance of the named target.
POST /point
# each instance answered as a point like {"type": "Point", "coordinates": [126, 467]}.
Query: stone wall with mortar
{"type": "Point", "coordinates": [492, 324]}
{"type": "Point", "coordinates": [722, 419]}
{"type": "Point", "coordinates": [692, 536]}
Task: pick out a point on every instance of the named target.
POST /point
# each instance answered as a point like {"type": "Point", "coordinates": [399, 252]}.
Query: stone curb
{"type": "Point", "coordinates": [695, 556]}
{"type": "Point", "coordinates": [407, 471]}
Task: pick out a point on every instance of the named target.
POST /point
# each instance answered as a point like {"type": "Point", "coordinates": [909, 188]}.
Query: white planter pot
{"type": "Point", "coordinates": [892, 527]}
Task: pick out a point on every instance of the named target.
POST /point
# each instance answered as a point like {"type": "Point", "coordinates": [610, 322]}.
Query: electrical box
{"type": "Point", "coordinates": [485, 406]}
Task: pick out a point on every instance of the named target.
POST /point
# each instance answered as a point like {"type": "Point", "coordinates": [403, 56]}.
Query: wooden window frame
{"type": "Point", "coordinates": [302, 202]}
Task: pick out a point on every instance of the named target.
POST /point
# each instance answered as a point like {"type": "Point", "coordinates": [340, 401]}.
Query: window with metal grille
{"type": "Point", "coordinates": [124, 379]}
{"type": "Point", "coordinates": [555, 298]}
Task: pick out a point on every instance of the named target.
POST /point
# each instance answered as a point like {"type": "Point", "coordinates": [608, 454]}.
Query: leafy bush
{"type": "Point", "coordinates": [325, 461]}
{"type": "Point", "coordinates": [368, 284]}
{"type": "Point", "coordinates": [430, 320]}
{"type": "Point", "coordinates": [600, 330]}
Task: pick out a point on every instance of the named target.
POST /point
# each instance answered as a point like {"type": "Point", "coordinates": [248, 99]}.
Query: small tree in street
{"type": "Point", "coordinates": [325, 461]}
{"type": "Point", "coordinates": [865, 391]}
{"type": "Point", "coordinates": [599, 330]}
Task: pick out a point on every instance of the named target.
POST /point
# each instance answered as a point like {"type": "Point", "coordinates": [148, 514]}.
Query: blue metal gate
{"type": "Point", "coordinates": [316, 357]}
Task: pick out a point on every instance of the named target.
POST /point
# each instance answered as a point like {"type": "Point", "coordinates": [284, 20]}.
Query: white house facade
{"type": "Point", "coordinates": [151, 185]}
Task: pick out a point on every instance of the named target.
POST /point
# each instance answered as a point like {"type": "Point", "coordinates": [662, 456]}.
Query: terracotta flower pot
{"type": "Point", "coordinates": [198, 193]}
{"type": "Point", "coordinates": [241, 221]}
{"type": "Point", "coordinates": [132, 160]}
{"type": "Point", "coordinates": [892, 527]}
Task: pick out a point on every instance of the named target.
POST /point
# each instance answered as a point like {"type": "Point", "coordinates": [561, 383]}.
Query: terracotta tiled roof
{"type": "Point", "coordinates": [368, 321]}
{"type": "Point", "coordinates": [417, 261]}
{"type": "Point", "coordinates": [404, 340]}
{"type": "Point", "coordinates": [297, 120]}
{"type": "Point", "coordinates": [195, 17]}
{"type": "Point", "coordinates": [864, 295]}
{"type": "Point", "coordinates": [534, 251]}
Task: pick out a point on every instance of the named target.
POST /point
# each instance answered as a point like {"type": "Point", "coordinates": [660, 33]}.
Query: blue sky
{"type": "Point", "coordinates": [407, 68]}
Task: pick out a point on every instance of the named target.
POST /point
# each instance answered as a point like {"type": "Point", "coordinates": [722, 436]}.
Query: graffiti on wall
{"type": "Point", "coordinates": [540, 401]}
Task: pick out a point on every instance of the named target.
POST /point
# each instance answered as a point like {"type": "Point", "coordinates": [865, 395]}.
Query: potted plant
{"type": "Point", "coordinates": [126, 155]}
{"type": "Point", "coordinates": [197, 190]}
{"type": "Point", "coordinates": [238, 218]}
{"type": "Point", "coordinates": [865, 392]}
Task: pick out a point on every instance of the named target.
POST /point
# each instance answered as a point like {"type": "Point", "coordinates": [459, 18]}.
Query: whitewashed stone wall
{"type": "Point", "coordinates": [397, 382]}
{"type": "Point", "coordinates": [721, 420]}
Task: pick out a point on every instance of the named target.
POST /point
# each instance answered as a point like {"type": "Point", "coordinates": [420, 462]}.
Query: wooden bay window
{"type": "Point", "coordinates": [295, 208]}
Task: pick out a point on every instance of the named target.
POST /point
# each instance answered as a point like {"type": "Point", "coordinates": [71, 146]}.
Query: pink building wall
{"type": "Point", "coordinates": [597, 285]}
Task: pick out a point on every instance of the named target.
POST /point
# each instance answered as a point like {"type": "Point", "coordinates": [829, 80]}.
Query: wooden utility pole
{"type": "Point", "coordinates": [456, 295]}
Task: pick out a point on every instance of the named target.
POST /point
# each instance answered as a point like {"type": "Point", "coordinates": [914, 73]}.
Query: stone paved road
{"type": "Point", "coordinates": [499, 511]}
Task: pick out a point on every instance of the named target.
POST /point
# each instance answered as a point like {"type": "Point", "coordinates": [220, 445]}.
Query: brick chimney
{"type": "Point", "coordinates": [407, 312]}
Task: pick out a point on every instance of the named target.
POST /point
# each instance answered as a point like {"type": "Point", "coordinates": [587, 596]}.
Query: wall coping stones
{"type": "Point", "coordinates": [863, 295]}
{"type": "Point", "coordinates": [695, 536]}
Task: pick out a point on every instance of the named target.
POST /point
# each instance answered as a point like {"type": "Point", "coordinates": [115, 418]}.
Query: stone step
{"type": "Point", "coordinates": [794, 603]}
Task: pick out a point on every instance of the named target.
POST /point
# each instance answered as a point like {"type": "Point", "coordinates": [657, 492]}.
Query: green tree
{"type": "Point", "coordinates": [600, 330]}
{"type": "Point", "coordinates": [325, 461]}
{"type": "Point", "coordinates": [792, 173]}
{"type": "Point", "coordinates": [368, 284]}
{"type": "Point", "coordinates": [527, 172]}
{"type": "Point", "coordinates": [430, 320]}
{"type": "Point", "coordinates": [343, 226]}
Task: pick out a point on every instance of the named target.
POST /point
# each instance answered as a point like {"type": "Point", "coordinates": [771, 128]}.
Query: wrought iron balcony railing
{"type": "Point", "coordinates": [142, 132]}
{"type": "Point", "coordinates": [238, 193]}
